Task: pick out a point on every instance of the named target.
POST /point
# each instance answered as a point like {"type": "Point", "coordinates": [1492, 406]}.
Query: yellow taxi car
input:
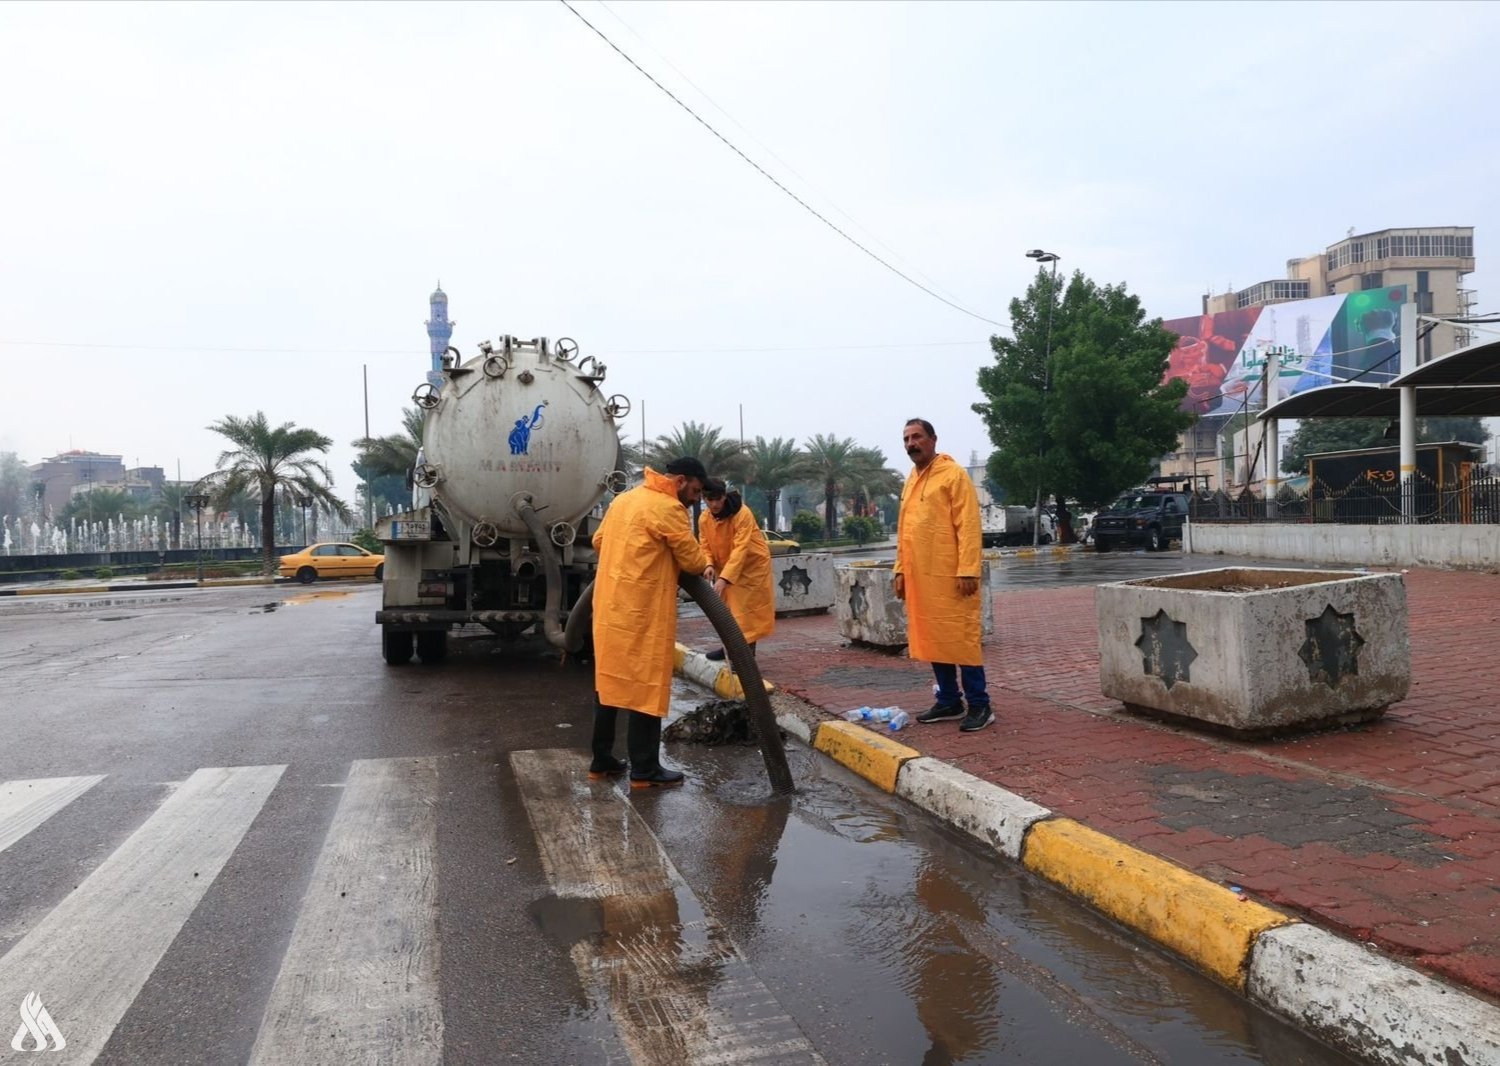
{"type": "Point", "coordinates": [330, 559]}
{"type": "Point", "coordinates": [781, 544]}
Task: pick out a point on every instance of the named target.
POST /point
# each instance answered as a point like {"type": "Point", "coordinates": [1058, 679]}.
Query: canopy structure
{"type": "Point", "coordinates": [1384, 401]}
{"type": "Point", "coordinates": [1475, 365]}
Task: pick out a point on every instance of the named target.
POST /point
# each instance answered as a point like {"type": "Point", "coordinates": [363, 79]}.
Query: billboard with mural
{"type": "Point", "coordinates": [1347, 337]}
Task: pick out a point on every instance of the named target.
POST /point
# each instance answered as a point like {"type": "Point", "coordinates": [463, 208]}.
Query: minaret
{"type": "Point", "coordinates": [439, 332]}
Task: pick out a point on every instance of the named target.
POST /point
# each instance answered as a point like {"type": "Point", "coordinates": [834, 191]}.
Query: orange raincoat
{"type": "Point", "coordinates": [937, 542]}
{"type": "Point", "coordinates": [644, 542]}
{"type": "Point", "coordinates": [739, 552]}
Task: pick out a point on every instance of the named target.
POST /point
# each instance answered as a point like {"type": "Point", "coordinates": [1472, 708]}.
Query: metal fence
{"type": "Point", "coordinates": [1471, 501]}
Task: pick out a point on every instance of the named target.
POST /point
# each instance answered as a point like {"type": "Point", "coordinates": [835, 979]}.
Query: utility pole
{"type": "Point", "coordinates": [365, 468]}
{"type": "Point", "coordinates": [1044, 257]}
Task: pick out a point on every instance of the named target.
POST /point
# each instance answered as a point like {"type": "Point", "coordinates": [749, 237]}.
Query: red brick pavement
{"type": "Point", "coordinates": [1387, 832]}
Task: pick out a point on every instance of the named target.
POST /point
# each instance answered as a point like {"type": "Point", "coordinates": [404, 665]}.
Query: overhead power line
{"type": "Point", "coordinates": [415, 351]}
{"type": "Point", "coordinates": [771, 178]}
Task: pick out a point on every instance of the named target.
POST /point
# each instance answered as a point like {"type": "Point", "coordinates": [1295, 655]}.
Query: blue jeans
{"type": "Point", "coordinates": [973, 682]}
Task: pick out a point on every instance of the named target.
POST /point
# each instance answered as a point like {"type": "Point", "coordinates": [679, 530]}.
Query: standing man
{"type": "Point", "coordinates": [644, 542]}
{"type": "Point", "coordinates": [937, 574]}
{"type": "Point", "coordinates": [739, 562]}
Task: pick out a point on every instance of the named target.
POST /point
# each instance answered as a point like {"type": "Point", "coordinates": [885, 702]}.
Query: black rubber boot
{"type": "Point", "coordinates": [643, 739]}
{"type": "Point", "coordinates": [605, 764]}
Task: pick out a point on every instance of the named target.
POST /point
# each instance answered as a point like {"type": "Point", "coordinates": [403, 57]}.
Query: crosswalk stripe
{"type": "Point", "coordinates": [678, 988]}
{"type": "Point", "coordinates": [24, 805]}
{"type": "Point", "coordinates": [89, 957]}
{"type": "Point", "coordinates": [359, 981]}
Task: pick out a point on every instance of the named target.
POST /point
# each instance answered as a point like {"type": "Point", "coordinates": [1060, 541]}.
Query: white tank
{"type": "Point", "coordinates": [520, 418]}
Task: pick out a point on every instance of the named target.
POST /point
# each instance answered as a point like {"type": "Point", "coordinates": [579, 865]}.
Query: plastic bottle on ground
{"type": "Point", "coordinates": [859, 714]}
{"type": "Point", "coordinates": [898, 720]}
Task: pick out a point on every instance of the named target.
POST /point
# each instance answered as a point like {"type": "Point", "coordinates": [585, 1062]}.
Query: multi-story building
{"type": "Point", "coordinates": [1430, 261]}
{"type": "Point", "coordinates": [61, 474]}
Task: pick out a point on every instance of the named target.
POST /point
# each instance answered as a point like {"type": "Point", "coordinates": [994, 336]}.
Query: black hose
{"type": "Point", "coordinates": [743, 660]}
{"type": "Point", "coordinates": [553, 609]}
{"type": "Point", "coordinates": [580, 622]}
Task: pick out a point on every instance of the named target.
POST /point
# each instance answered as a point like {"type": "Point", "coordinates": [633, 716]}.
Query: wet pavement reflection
{"type": "Point", "coordinates": [890, 938]}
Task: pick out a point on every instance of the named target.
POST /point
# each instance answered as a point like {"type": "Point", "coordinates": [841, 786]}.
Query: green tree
{"type": "Point", "coordinates": [171, 507]}
{"type": "Point", "coordinates": [99, 505]}
{"type": "Point", "coordinates": [278, 464]}
{"type": "Point", "coordinates": [774, 464]}
{"type": "Point", "coordinates": [1094, 418]}
{"type": "Point", "coordinates": [836, 462]}
{"type": "Point", "coordinates": [807, 526]}
{"type": "Point", "coordinates": [15, 485]}
{"type": "Point", "coordinates": [860, 529]}
{"type": "Point", "coordinates": [1315, 435]}
{"type": "Point", "coordinates": [872, 480]}
{"type": "Point", "coordinates": [723, 457]}
{"type": "Point", "coordinates": [395, 454]}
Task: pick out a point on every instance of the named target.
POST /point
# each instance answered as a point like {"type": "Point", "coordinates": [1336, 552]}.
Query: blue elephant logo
{"type": "Point", "coordinates": [520, 437]}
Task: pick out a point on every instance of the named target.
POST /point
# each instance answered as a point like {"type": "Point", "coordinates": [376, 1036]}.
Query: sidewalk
{"type": "Point", "coordinates": [1388, 833]}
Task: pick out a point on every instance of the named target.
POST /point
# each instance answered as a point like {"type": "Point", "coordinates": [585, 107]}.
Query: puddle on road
{"type": "Point", "coordinates": [308, 597]}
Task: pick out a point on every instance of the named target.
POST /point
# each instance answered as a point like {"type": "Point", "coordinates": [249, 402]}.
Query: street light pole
{"type": "Point", "coordinates": [1044, 257]}
{"type": "Point", "coordinates": [197, 502]}
{"type": "Point", "coordinates": [303, 502]}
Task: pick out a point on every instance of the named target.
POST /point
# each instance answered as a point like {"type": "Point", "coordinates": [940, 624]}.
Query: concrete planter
{"type": "Point", "coordinates": [803, 583]}
{"type": "Point", "coordinates": [868, 611]}
{"type": "Point", "coordinates": [1256, 651]}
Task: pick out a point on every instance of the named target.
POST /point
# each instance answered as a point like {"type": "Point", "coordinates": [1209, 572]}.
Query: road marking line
{"type": "Point", "coordinates": [24, 805]}
{"type": "Point", "coordinates": [677, 987]}
{"type": "Point", "coordinates": [359, 981]}
{"type": "Point", "coordinates": [88, 958]}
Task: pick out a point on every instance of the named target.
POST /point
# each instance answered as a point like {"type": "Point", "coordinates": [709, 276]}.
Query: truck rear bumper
{"type": "Point", "coordinates": [419, 617]}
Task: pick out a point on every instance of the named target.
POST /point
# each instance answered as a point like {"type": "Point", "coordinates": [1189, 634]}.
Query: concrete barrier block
{"type": "Point", "coordinates": [1256, 650]}
{"type": "Point", "coordinates": [803, 582]}
{"type": "Point", "coordinates": [867, 609]}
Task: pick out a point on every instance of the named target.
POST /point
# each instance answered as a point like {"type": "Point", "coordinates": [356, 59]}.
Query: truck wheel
{"type": "Point", "coordinates": [307, 575]}
{"type": "Point", "coordinates": [432, 645]}
{"type": "Point", "coordinates": [395, 645]}
{"type": "Point", "coordinates": [1154, 541]}
{"type": "Point", "coordinates": [1103, 544]}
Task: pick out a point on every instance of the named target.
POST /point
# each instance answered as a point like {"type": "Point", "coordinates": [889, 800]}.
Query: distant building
{"type": "Point", "coordinates": [439, 333]}
{"type": "Point", "coordinates": [1431, 261]}
{"type": "Point", "coordinates": [61, 474]}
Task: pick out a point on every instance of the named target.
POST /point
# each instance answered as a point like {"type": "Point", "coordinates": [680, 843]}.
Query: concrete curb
{"type": "Point", "coordinates": [1343, 993]}
{"type": "Point", "coordinates": [717, 677]}
{"type": "Point", "coordinates": [146, 586]}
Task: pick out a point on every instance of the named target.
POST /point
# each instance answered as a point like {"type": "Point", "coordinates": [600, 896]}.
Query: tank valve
{"type": "Point", "coordinates": [495, 366]}
{"type": "Point", "coordinates": [563, 534]}
{"type": "Point", "coordinates": [567, 348]}
{"type": "Point", "coordinates": [615, 481]}
{"type": "Point", "coordinates": [426, 396]}
{"type": "Point", "coordinates": [426, 475]}
{"type": "Point", "coordinates": [617, 406]}
{"type": "Point", "coordinates": [485, 534]}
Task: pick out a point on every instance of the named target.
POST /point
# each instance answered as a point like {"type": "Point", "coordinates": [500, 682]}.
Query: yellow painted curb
{"type": "Point", "coordinates": [1027, 553]}
{"type": "Point", "coordinates": [727, 685]}
{"type": "Point", "coordinates": [870, 755]}
{"type": "Point", "coordinates": [679, 656]}
{"type": "Point", "coordinates": [62, 592]}
{"type": "Point", "coordinates": [230, 582]}
{"type": "Point", "coordinates": [1201, 921]}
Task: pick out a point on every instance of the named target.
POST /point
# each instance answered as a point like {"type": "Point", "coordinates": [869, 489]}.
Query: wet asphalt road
{"type": "Point", "coordinates": [883, 936]}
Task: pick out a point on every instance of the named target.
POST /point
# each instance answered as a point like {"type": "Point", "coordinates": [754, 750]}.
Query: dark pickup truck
{"type": "Point", "coordinates": [1151, 519]}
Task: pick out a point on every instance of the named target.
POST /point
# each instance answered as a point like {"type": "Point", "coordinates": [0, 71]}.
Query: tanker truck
{"type": "Point", "coordinates": [519, 446]}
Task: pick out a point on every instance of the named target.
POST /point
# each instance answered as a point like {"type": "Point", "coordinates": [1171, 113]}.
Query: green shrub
{"type": "Point", "coordinates": [861, 529]}
{"type": "Point", "coordinates": [365, 538]}
{"type": "Point", "coordinates": [104, 573]}
{"type": "Point", "coordinates": [70, 575]}
{"type": "Point", "coordinates": [807, 526]}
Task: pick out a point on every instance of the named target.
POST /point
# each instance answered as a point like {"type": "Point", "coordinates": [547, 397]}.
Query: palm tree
{"type": "Point", "coordinates": [276, 464]}
{"type": "Point", "coordinates": [835, 462]}
{"type": "Point", "coordinates": [98, 505]}
{"type": "Point", "coordinates": [170, 505]}
{"type": "Point", "coordinates": [774, 465]}
{"type": "Point", "coordinates": [724, 458]}
{"type": "Point", "coordinates": [395, 453]}
{"type": "Point", "coordinates": [871, 479]}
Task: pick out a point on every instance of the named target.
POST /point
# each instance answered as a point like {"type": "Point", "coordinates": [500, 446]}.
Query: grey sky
{"type": "Point", "coordinates": [190, 177]}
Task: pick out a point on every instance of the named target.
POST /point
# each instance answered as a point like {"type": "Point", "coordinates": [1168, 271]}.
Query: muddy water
{"type": "Point", "coordinates": [889, 938]}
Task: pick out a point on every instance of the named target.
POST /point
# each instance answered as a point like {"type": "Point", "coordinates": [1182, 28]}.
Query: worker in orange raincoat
{"type": "Point", "coordinates": [644, 543]}
{"type": "Point", "coordinates": [739, 562]}
{"type": "Point", "coordinates": [937, 574]}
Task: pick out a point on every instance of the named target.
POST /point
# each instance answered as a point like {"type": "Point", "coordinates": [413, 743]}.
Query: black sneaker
{"type": "Point", "coordinates": [660, 778]}
{"type": "Point", "coordinates": [715, 656]}
{"type": "Point", "coordinates": [976, 719]}
{"type": "Point", "coordinates": [603, 769]}
{"type": "Point", "coordinates": [941, 712]}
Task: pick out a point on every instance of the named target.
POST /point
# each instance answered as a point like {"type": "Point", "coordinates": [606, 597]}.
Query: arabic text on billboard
{"type": "Point", "coordinates": [1347, 337]}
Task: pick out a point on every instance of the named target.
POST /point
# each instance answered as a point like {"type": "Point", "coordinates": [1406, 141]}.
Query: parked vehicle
{"type": "Point", "coordinates": [332, 560]}
{"type": "Point", "coordinates": [1009, 526]}
{"type": "Point", "coordinates": [1142, 518]}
